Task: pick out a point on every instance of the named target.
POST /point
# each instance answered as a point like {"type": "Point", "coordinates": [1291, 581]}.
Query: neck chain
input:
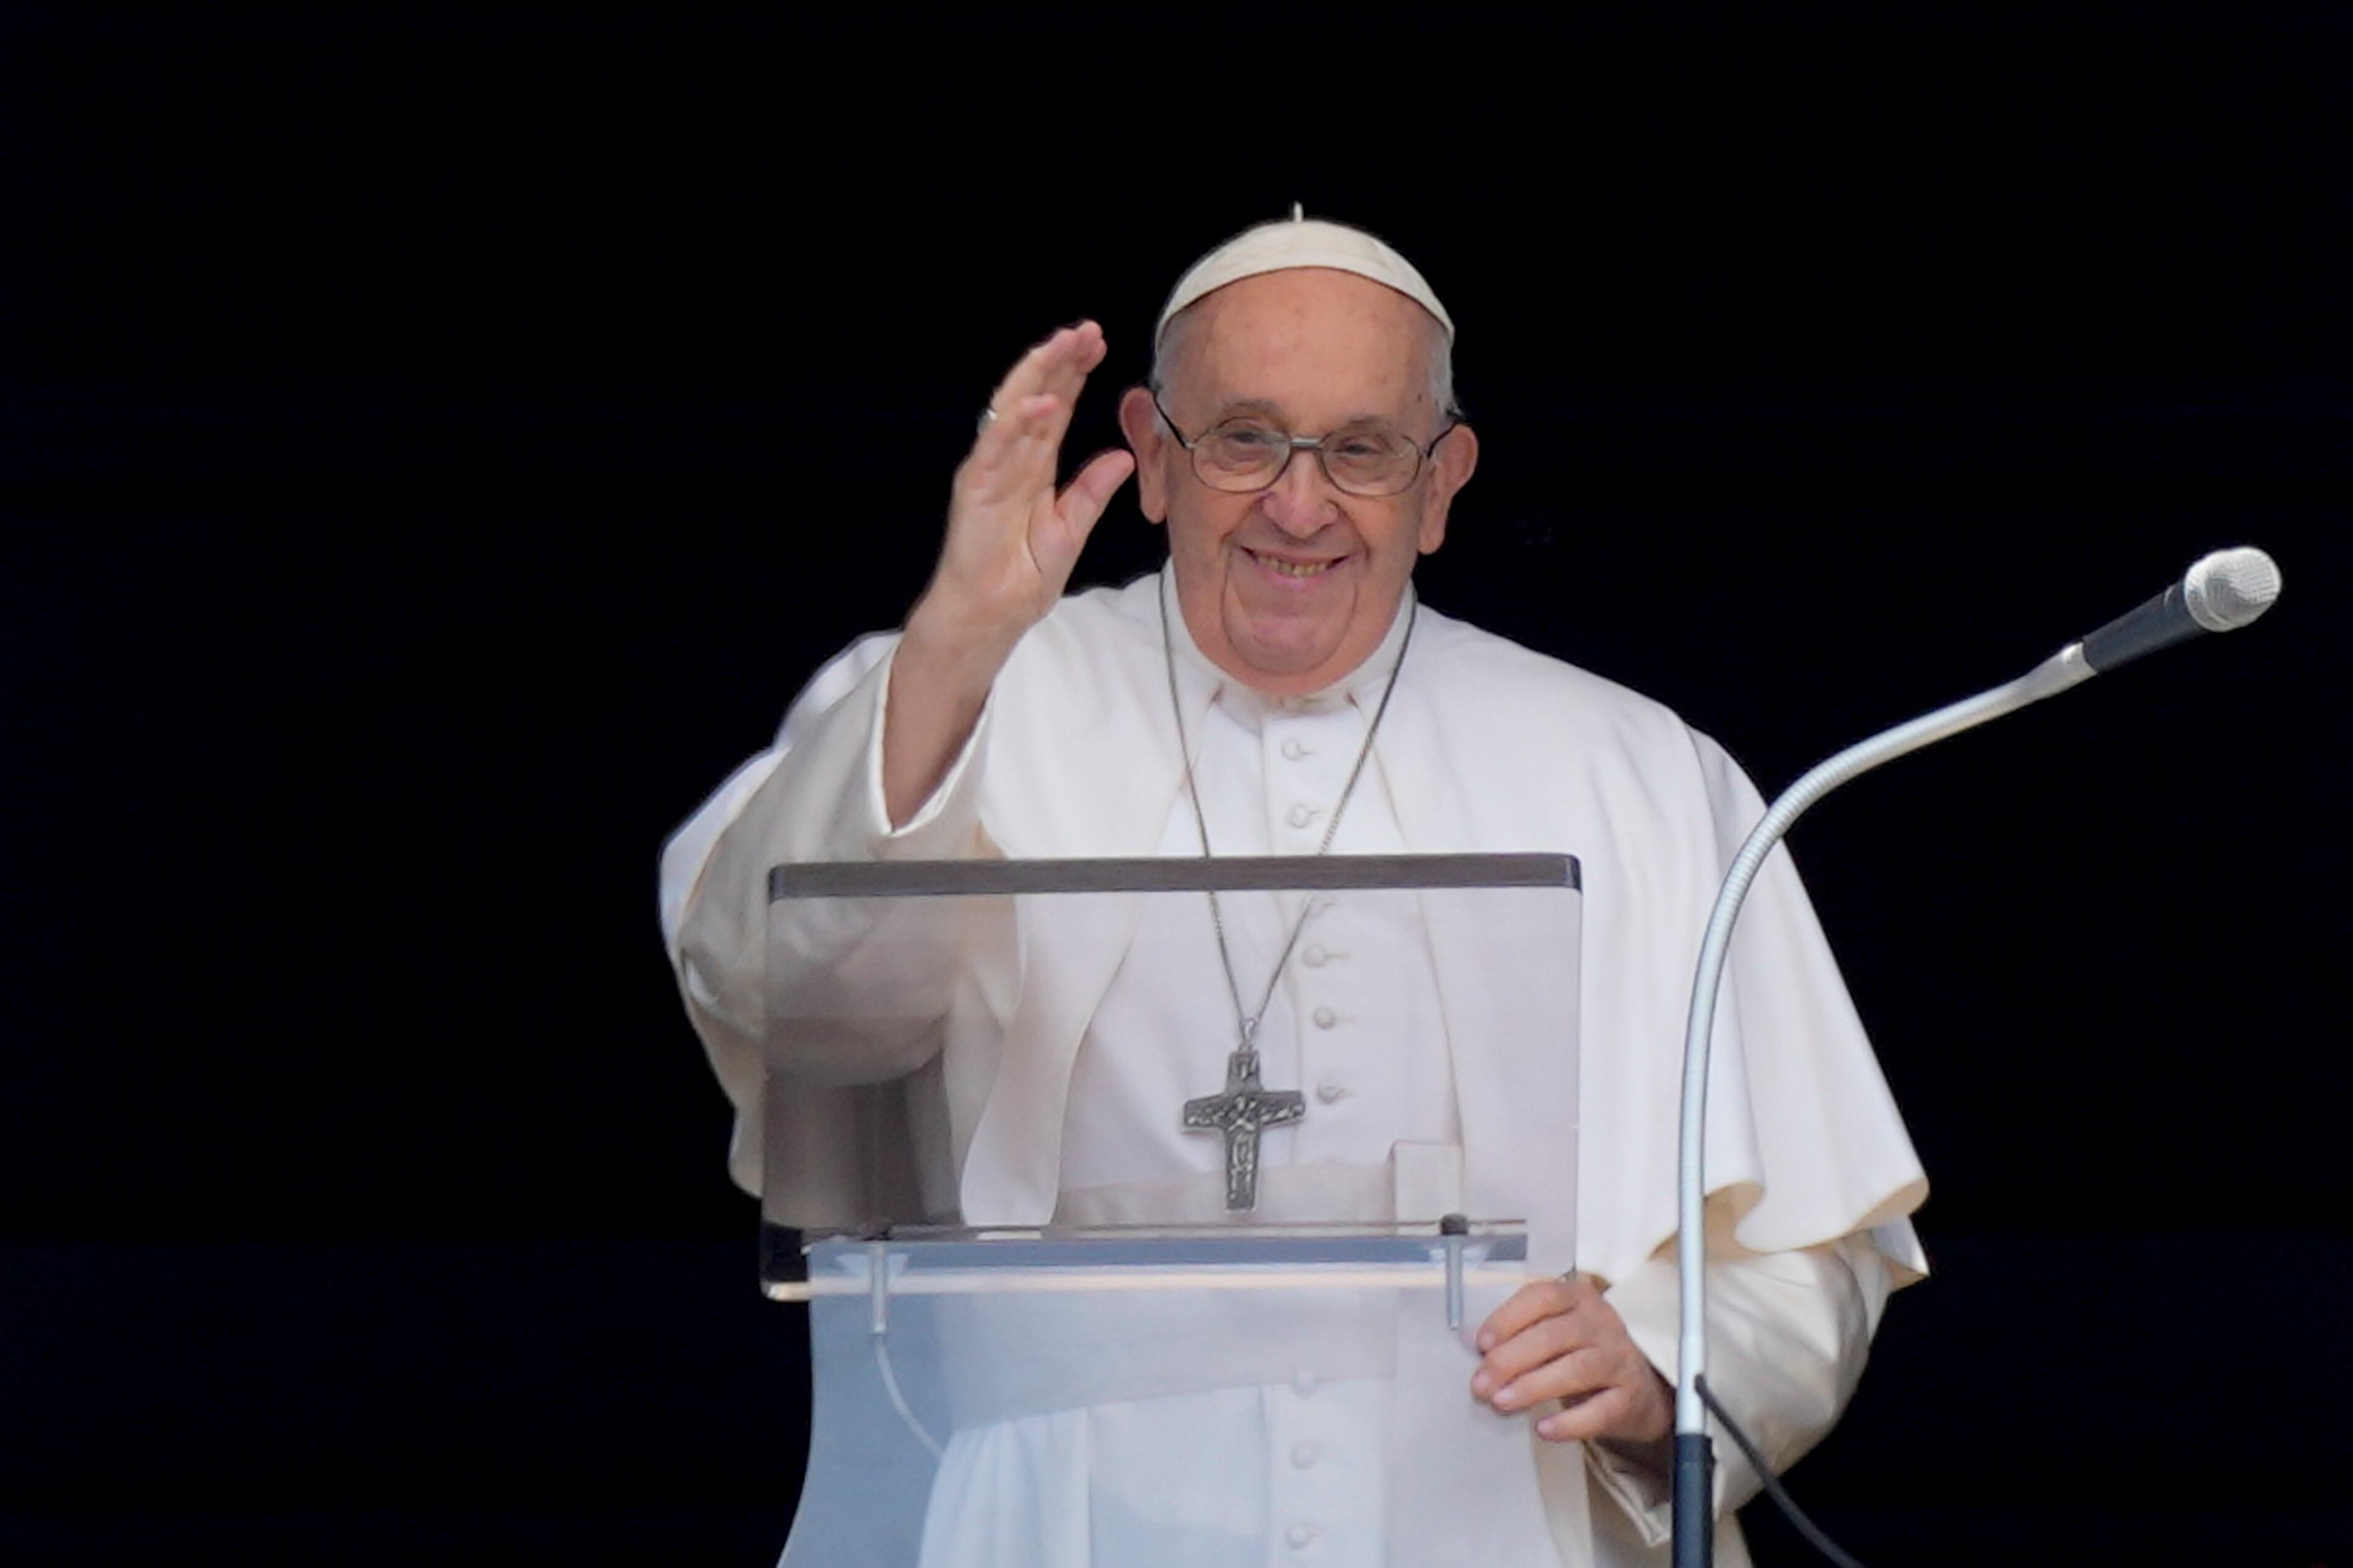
{"type": "Point", "coordinates": [1246, 1107]}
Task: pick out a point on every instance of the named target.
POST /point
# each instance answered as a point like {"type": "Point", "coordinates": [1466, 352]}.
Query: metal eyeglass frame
{"type": "Point", "coordinates": [1298, 444]}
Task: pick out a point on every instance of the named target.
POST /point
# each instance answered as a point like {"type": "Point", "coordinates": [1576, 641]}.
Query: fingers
{"type": "Point", "coordinates": [1561, 1340]}
{"type": "Point", "coordinates": [1058, 364]}
{"type": "Point", "coordinates": [1630, 1412]}
{"type": "Point", "coordinates": [1017, 450]}
{"type": "Point", "coordinates": [1035, 399]}
{"type": "Point", "coordinates": [1014, 455]}
{"type": "Point", "coordinates": [1550, 1360]}
{"type": "Point", "coordinates": [1533, 1303]}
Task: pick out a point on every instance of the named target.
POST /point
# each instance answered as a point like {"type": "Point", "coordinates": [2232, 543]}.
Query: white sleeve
{"type": "Point", "coordinates": [1788, 1336]}
{"type": "Point", "coordinates": [816, 795]}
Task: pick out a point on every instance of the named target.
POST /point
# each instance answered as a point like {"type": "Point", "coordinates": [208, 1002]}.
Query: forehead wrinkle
{"type": "Point", "coordinates": [1265, 326]}
{"type": "Point", "coordinates": [1273, 412]}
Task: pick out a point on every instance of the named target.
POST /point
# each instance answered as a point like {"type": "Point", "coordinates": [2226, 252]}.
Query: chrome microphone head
{"type": "Point", "coordinates": [2230, 589]}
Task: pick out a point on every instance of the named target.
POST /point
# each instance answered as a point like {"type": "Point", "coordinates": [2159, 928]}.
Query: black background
{"type": "Point", "coordinates": [437, 442]}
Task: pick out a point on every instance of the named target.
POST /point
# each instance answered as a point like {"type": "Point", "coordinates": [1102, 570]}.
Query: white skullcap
{"type": "Point", "coordinates": [1300, 241]}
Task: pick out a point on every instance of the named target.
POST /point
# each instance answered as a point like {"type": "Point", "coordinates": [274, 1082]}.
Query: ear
{"type": "Point", "coordinates": [1148, 438]}
{"type": "Point", "coordinates": [1451, 463]}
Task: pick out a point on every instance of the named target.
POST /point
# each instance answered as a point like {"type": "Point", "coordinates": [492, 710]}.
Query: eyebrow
{"type": "Point", "coordinates": [1261, 407]}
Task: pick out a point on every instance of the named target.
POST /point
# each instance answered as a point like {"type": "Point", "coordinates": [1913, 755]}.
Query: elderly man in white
{"type": "Point", "coordinates": [1278, 689]}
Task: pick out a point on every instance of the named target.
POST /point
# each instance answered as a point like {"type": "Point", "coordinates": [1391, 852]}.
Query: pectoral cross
{"type": "Point", "coordinates": [1242, 1113]}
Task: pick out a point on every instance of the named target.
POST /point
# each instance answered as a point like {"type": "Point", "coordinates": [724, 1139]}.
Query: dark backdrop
{"type": "Point", "coordinates": [436, 444]}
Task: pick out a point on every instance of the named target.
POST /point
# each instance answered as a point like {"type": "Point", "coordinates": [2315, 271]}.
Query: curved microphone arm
{"type": "Point", "coordinates": [1693, 1484]}
{"type": "Point", "coordinates": [2220, 592]}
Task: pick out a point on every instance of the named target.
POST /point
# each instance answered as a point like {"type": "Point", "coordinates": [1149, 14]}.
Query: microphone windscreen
{"type": "Point", "coordinates": [2230, 589]}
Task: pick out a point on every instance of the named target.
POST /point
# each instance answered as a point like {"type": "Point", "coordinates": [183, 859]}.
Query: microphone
{"type": "Point", "coordinates": [2221, 592]}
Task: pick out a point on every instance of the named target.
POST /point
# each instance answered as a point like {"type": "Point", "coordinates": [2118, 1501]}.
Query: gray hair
{"type": "Point", "coordinates": [1170, 348]}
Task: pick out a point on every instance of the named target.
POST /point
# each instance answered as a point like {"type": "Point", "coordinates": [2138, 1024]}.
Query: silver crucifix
{"type": "Point", "coordinates": [1242, 1113]}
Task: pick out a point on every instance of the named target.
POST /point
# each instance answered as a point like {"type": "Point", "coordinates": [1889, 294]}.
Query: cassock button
{"type": "Point", "coordinates": [1326, 1018]}
{"type": "Point", "coordinates": [1300, 1536]}
{"type": "Point", "coordinates": [1293, 750]}
{"type": "Point", "coordinates": [1302, 815]}
{"type": "Point", "coordinates": [1304, 1455]}
{"type": "Point", "coordinates": [1314, 958]}
{"type": "Point", "coordinates": [1330, 1092]}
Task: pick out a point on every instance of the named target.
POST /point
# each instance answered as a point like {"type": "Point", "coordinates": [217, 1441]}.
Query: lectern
{"type": "Point", "coordinates": [1262, 1356]}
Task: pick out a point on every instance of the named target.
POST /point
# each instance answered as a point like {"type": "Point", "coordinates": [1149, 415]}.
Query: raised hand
{"type": "Point", "coordinates": [1012, 541]}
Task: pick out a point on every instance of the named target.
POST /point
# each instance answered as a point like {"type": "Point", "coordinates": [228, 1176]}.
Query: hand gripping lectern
{"type": "Point", "coordinates": [1102, 1269]}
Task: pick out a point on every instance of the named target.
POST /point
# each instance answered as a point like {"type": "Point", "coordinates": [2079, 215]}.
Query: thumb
{"type": "Point", "coordinates": [1082, 502]}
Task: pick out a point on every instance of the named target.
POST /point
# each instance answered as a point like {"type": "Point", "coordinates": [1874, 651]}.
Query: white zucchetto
{"type": "Point", "coordinates": [1302, 242]}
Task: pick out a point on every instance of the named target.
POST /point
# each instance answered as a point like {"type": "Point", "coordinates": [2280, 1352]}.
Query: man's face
{"type": "Point", "coordinates": [1290, 588]}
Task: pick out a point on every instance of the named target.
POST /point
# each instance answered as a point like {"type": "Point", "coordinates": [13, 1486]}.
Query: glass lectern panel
{"type": "Point", "coordinates": [1135, 1192]}
{"type": "Point", "coordinates": [1154, 1399]}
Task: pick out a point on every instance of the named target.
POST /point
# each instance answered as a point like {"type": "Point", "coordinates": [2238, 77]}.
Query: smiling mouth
{"type": "Point", "coordinates": [1283, 568]}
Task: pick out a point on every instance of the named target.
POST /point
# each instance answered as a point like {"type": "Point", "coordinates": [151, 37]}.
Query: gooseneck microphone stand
{"type": "Point", "coordinates": [2221, 592]}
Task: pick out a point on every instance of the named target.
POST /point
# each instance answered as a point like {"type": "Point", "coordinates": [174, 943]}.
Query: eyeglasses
{"type": "Point", "coordinates": [1243, 454]}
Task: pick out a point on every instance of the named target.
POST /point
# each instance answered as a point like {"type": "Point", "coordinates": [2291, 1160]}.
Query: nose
{"type": "Point", "coordinates": [1302, 500]}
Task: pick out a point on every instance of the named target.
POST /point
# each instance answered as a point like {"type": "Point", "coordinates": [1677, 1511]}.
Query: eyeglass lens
{"type": "Point", "coordinates": [1365, 459]}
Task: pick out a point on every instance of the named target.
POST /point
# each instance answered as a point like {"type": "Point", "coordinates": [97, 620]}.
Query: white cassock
{"type": "Point", "coordinates": [1052, 1093]}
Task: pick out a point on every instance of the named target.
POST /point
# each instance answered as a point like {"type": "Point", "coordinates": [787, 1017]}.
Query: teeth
{"type": "Point", "coordinates": [1295, 568]}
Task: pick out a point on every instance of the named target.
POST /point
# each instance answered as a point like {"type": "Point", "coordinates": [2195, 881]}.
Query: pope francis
{"type": "Point", "coordinates": [1278, 689]}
